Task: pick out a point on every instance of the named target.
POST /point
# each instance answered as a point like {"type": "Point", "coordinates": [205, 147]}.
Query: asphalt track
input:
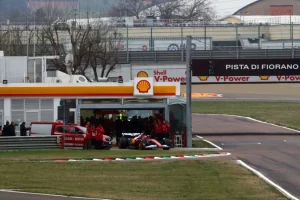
{"type": "Point", "coordinates": [276, 156]}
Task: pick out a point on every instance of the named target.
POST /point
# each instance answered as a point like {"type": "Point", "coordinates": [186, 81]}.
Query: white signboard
{"type": "Point", "coordinates": [177, 73]}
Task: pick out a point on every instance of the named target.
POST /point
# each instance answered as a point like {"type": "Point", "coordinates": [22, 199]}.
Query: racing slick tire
{"type": "Point", "coordinates": [123, 143]}
{"type": "Point", "coordinates": [168, 143]}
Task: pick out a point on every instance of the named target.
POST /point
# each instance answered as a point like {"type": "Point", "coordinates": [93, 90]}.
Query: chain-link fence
{"type": "Point", "coordinates": [17, 41]}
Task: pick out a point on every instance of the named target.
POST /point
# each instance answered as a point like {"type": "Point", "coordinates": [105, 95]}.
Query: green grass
{"type": "Point", "coordinates": [201, 144]}
{"type": "Point", "coordinates": [68, 154]}
{"type": "Point", "coordinates": [281, 113]}
{"type": "Point", "coordinates": [170, 180]}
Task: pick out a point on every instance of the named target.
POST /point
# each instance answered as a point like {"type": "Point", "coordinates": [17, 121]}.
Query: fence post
{"type": "Point", "coordinates": [293, 53]}
{"type": "Point", "coordinates": [266, 53]}
{"type": "Point", "coordinates": [205, 37]}
{"type": "Point", "coordinates": [258, 36]}
{"type": "Point", "coordinates": [151, 39]}
{"type": "Point", "coordinates": [127, 45]}
{"type": "Point", "coordinates": [237, 41]}
{"type": "Point", "coordinates": [182, 49]}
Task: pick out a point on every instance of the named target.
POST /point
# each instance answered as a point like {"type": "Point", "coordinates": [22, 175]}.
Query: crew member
{"type": "Point", "coordinates": [89, 128]}
{"type": "Point", "coordinates": [157, 129]}
{"type": "Point", "coordinates": [166, 129]}
{"type": "Point", "coordinates": [100, 131]}
{"type": "Point", "coordinates": [121, 115]}
{"type": "Point", "coordinates": [118, 129]}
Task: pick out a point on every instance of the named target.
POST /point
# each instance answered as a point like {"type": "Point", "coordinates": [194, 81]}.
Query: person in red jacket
{"type": "Point", "coordinates": [158, 130]}
{"type": "Point", "coordinates": [166, 129]}
{"type": "Point", "coordinates": [100, 131]}
{"type": "Point", "coordinates": [89, 128]}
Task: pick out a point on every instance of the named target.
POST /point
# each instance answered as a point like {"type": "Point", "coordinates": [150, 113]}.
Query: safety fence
{"type": "Point", "coordinates": [31, 143]}
{"type": "Point", "coordinates": [20, 41]}
{"type": "Point", "coordinates": [180, 56]}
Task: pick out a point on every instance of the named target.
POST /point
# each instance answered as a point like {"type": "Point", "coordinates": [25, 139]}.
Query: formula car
{"type": "Point", "coordinates": [142, 141]}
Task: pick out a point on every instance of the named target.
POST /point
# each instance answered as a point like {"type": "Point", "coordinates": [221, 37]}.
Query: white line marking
{"type": "Point", "coordinates": [209, 142]}
{"type": "Point", "coordinates": [238, 144]}
{"type": "Point", "coordinates": [50, 195]}
{"type": "Point", "coordinates": [252, 119]}
{"type": "Point", "coordinates": [260, 175]}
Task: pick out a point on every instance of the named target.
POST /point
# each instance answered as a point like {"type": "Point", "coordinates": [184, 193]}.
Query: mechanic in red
{"type": "Point", "coordinates": [158, 129]}
{"type": "Point", "coordinates": [100, 131]}
{"type": "Point", "coordinates": [166, 128]}
{"type": "Point", "coordinates": [89, 128]}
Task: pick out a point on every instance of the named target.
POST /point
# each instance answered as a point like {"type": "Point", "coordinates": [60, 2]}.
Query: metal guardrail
{"type": "Point", "coordinates": [28, 143]}
{"type": "Point", "coordinates": [179, 56]}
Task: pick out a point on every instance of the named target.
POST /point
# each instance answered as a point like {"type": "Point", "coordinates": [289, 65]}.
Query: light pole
{"type": "Point", "coordinates": [188, 92]}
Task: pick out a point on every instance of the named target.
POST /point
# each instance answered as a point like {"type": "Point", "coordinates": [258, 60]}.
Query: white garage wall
{"type": "Point", "coordinates": [29, 110]}
{"type": "Point", "coordinates": [13, 69]}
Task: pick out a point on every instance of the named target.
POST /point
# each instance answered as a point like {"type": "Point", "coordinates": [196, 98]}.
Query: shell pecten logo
{"type": "Point", "coordinates": [142, 74]}
{"type": "Point", "coordinates": [264, 78]}
{"type": "Point", "coordinates": [203, 78]}
{"type": "Point", "coordinates": [143, 86]}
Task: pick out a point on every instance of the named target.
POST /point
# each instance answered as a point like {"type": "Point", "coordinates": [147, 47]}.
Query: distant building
{"type": "Point", "coordinates": [54, 4]}
{"type": "Point", "coordinates": [271, 8]}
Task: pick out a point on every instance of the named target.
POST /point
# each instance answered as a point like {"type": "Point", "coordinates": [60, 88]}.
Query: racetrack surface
{"type": "Point", "coordinates": [275, 156]}
{"type": "Point", "coordinates": [206, 125]}
{"type": "Point", "coordinates": [288, 92]}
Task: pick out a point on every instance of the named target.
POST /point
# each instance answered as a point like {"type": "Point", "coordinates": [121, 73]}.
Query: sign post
{"type": "Point", "coordinates": [188, 92]}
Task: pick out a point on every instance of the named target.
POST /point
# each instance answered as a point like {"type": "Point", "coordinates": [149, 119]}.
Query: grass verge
{"type": "Point", "coordinates": [206, 180]}
{"type": "Point", "coordinates": [280, 113]}
{"type": "Point", "coordinates": [201, 144]}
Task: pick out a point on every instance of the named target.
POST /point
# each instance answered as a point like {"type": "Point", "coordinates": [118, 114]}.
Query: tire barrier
{"type": "Point", "coordinates": [30, 143]}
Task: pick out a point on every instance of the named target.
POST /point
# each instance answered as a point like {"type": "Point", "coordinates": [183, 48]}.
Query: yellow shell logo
{"type": "Point", "coordinates": [143, 86]}
{"type": "Point", "coordinates": [142, 74]}
{"type": "Point", "coordinates": [264, 78]}
{"type": "Point", "coordinates": [203, 78]}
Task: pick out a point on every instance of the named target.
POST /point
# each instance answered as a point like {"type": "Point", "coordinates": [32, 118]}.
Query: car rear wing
{"type": "Point", "coordinates": [131, 134]}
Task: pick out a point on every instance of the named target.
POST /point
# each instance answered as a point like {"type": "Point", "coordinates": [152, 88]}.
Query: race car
{"type": "Point", "coordinates": [142, 141]}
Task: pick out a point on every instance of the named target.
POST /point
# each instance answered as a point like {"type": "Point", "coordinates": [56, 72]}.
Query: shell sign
{"type": "Point", "coordinates": [143, 86]}
{"type": "Point", "coordinates": [264, 78]}
{"type": "Point", "coordinates": [142, 74]}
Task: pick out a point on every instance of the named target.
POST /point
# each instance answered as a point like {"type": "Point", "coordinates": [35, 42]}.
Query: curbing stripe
{"type": "Point", "coordinates": [260, 175]}
{"type": "Point", "coordinates": [209, 142]}
{"type": "Point", "coordinates": [147, 158]}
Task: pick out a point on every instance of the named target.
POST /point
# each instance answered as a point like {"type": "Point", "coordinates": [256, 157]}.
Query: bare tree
{"type": "Point", "coordinates": [105, 52]}
{"type": "Point", "coordinates": [167, 10]}
{"type": "Point", "coordinates": [93, 46]}
{"type": "Point", "coordinates": [16, 40]}
{"type": "Point", "coordinates": [183, 9]}
{"type": "Point", "coordinates": [197, 9]}
{"type": "Point", "coordinates": [129, 8]}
